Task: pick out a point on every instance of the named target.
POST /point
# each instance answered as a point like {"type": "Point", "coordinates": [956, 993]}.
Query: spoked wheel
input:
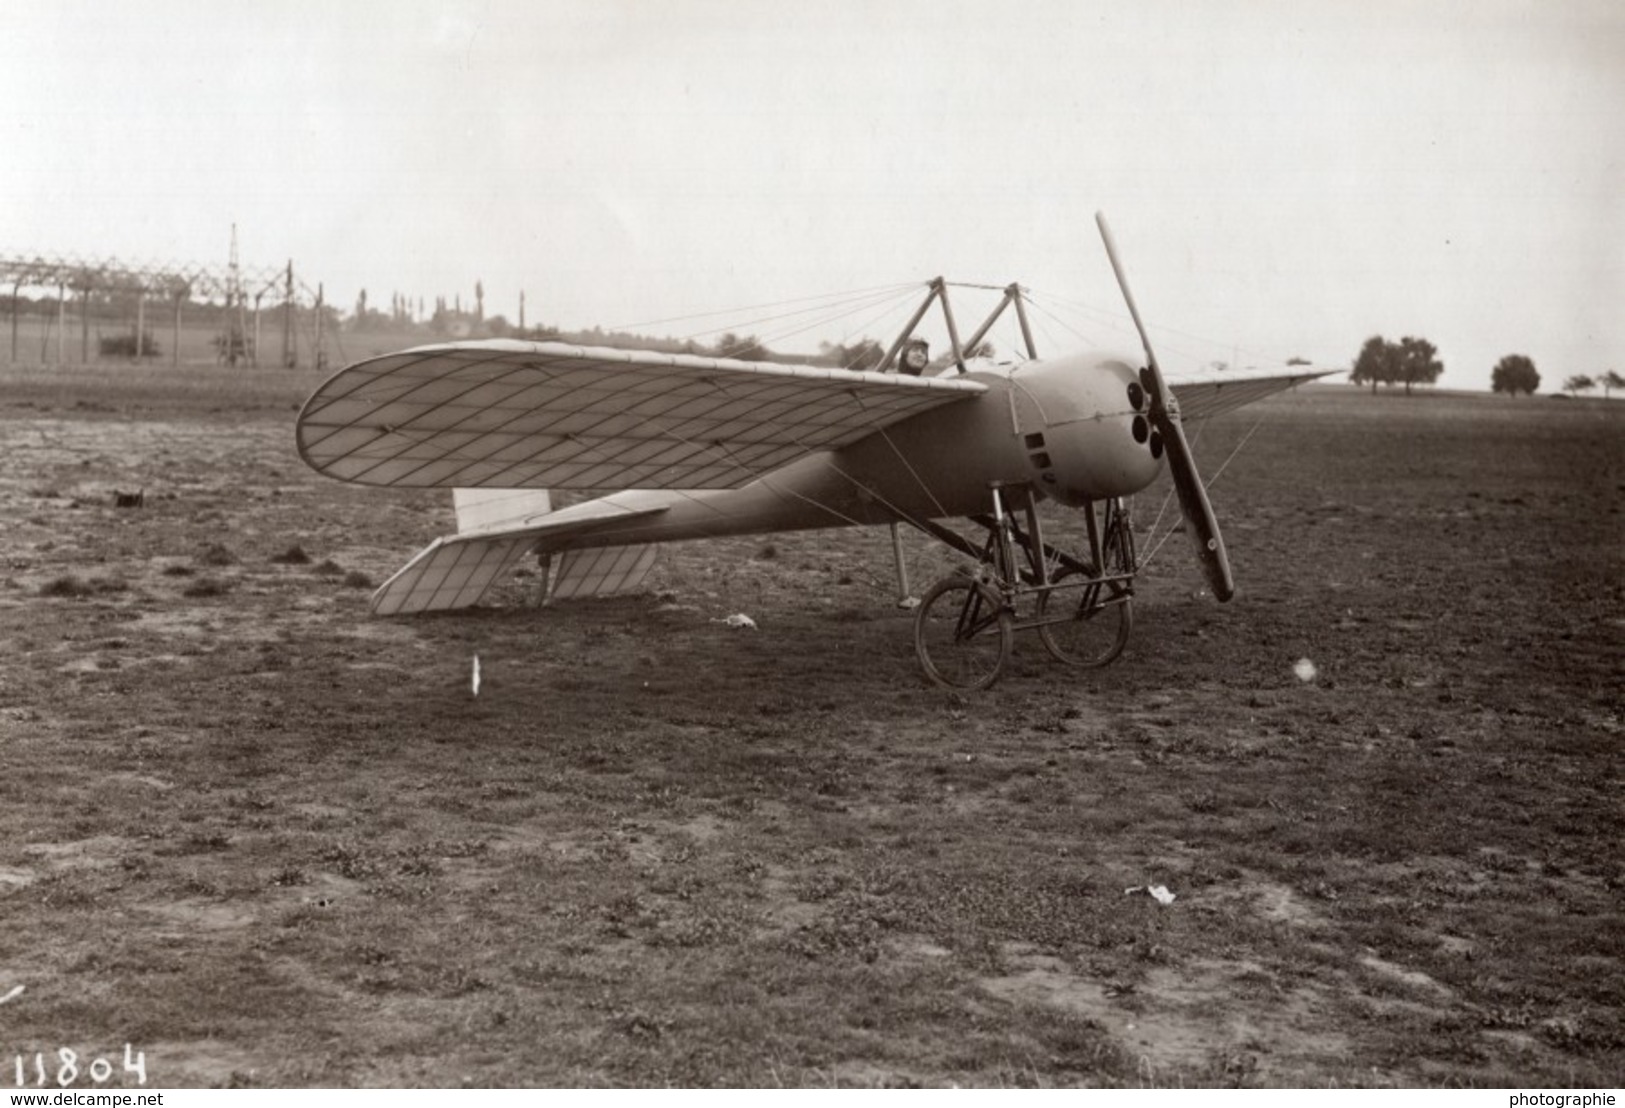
{"type": "Point", "coordinates": [962, 634]}
{"type": "Point", "coordinates": [1098, 629]}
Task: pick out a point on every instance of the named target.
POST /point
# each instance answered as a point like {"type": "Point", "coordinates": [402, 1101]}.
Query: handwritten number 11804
{"type": "Point", "coordinates": [68, 1067]}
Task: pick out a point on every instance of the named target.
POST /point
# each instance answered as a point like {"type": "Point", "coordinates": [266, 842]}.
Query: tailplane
{"type": "Point", "coordinates": [449, 573]}
{"type": "Point", "coordinates": [498, 527]}
{"type": "Point", "coordinates": [604, 571]}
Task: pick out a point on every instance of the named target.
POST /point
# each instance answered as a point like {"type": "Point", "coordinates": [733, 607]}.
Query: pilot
{"type": "Point", "coordinates": [915, 356]}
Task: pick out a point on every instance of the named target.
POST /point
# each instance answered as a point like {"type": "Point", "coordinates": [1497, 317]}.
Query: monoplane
{"type": "Point", "coordinates": [691, 447]}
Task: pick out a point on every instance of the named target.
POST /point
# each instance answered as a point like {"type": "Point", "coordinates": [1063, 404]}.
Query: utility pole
{"type": "Point", "coordinates": [321, 353]}
{"type": "Point", "coordinates": [84, 322]}
{"type": "Point", "coordinates": [180, 290]}
{"type": "Point", "coordinates": [289, 357]}
{"type": "Point", "coordinates": [254, 347]}
{"type": "Point", "coordinates": [234, 305]}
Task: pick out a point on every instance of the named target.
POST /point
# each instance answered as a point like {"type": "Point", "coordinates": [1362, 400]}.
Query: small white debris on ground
{"type": "Point", "coordinates": [738, 619]}
{"type": "Point", "coordinates": [475, 682]}
{"type": "Point", "coordinates": [909, 603]}
{"type": "Point", "coordinates": [1304, 670]}
{"type": "Point", "coordinates": [1159, 893]}
{"type": "Point", "coordinates": [13, 994]}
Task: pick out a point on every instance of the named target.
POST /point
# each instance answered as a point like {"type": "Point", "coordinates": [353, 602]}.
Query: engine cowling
{"type": "Point", "coordinates": [1077, 428]}
{"type": "Point", "coordinates": [1084, 423]}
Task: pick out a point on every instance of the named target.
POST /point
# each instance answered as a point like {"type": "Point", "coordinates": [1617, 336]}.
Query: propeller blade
{"type": "Point", "coordinates": [1200, 521]}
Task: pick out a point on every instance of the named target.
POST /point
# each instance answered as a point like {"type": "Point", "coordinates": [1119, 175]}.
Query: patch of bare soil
{"type": "Point", "coordinates": [269, 840]}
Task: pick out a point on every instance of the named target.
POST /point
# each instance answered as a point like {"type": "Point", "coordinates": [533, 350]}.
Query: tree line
{"type": "Point", "coordinates": [1409, 362]}
{"type": "Point", "coordinates": [449, 317]}
{"type": "Point", "coordinates": [1516, 373]}
{"type": "Point", "coordinates": [1414, 361]}
{"type": "Point", "coordinates": [1582, 382]}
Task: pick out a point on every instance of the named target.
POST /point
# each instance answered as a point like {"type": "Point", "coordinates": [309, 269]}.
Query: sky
{"type": "Point", "coordinates": [1283, 178]}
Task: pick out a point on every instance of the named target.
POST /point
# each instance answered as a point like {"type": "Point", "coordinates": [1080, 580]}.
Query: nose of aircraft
{"type": "Point", "coordinates": [1140, 427]}
{"type": "Point", "coordinates": [1097, 434]}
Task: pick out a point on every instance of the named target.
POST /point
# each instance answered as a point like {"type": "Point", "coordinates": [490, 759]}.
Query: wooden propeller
{"type": "Point", "coordinates": [1200, 521]}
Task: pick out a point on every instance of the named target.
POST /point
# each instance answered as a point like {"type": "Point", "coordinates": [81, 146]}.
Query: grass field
{"type": "Point", "coordinates": [268, 840]}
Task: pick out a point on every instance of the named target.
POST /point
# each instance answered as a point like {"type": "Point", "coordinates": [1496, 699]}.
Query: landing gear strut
{"type": "Point", "coordinates": [1082, 608]}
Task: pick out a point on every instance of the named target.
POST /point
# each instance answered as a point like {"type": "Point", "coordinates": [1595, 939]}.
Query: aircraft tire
{"type": "Point", "coordinates": [962, 633]}
{"type": "Point", "coordinates": [1091, 639]}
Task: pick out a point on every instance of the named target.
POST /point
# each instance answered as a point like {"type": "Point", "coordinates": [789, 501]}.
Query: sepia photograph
{"type": "Point", "coordinates": [885, 544]}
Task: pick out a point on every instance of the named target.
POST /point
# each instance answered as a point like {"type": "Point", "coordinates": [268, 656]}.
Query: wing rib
{"type": "Point", "coordinates": [1211, 393]}
{"type": "Point", "coordinates": [506, 414]}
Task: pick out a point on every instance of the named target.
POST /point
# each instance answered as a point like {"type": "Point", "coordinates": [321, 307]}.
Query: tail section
{"type": "Point", "coordinates": [499, 509]}
{"type": "Point", "coordinates": [606, 571]}
{"type": "Point", "coordinates": [449, 573]}
{"type": "Point", "coordinates": [498, 527]}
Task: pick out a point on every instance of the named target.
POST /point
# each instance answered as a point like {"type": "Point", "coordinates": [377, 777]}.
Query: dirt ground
{"type": "Point", "coordinates": [267, 840]}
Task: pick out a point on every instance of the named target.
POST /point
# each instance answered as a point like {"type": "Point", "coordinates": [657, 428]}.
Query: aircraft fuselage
{"type": "Point", "coordinates": [1074, 427]}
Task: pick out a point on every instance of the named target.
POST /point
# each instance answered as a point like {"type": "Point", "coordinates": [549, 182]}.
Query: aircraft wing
{"type": "Point", "coordinates": [505, 414]}
{"type": "Point", "coordinates": [1210, 392]}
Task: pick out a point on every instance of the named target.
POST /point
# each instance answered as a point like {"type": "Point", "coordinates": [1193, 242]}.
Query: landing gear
{"type": "Point", "coordinates": [1081, 609]}
{"type": "Point", "coordinates": [1089, 630]}
{"type": "Point", "coordinates": [962, 633]}
{"type": "Point", "coordinates": [1086, 618]}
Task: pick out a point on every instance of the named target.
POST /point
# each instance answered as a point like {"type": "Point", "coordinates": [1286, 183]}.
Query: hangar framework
{"type": "Point", "coordinates": [129, 298]}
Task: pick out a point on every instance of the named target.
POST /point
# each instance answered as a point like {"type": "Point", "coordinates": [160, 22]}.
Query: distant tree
{"type": "Point", "coordinates": [1410, 361]}
{"type": "Point", "coordinates": [744, 347]}
{"type": "Point", "coordinates": [1299, 361]}
{"type": "Point", "coordinates": [124, 346]}
{"type": "Point", "coordinates": [1377, 363]}
{"type": "Point", "coordinates": [1579, 383]}
{"type": "Point", "coordinates": [366, 316]}
{"type": "Point", "coordinates": [1610, 381]}
{"type": "Point", "coordinates": [231, 345]}
{"type": "Point", "coordinates": [1513, 374]}
{"type": "Point", "coordinates": [1418, 363]}
{"type": "Point", "coordinates": [863, 354]}
{"type": "Point", "coordinates": [479, 300]}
